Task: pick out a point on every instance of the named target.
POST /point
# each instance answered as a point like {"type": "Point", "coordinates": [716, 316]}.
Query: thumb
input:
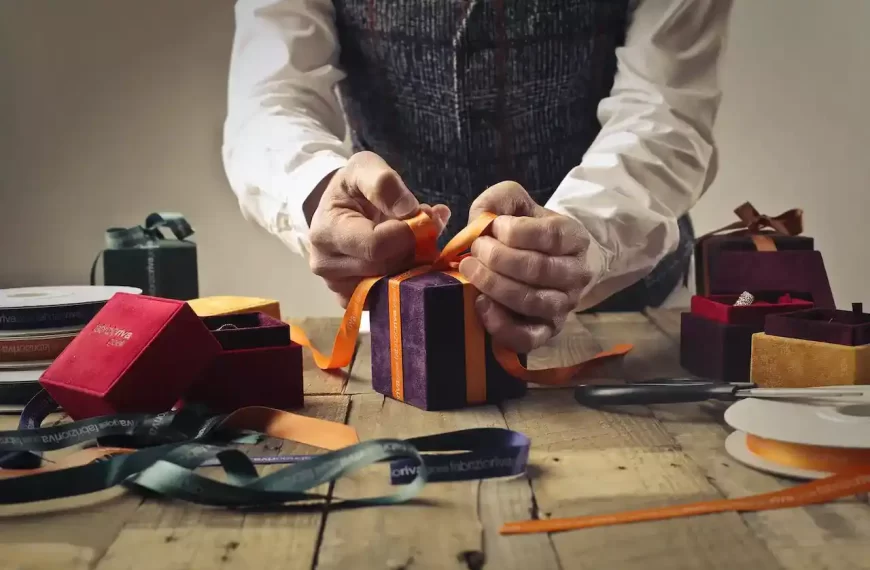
{"type": "Point", "coordinates": [504, 199]}
{"type": "Point", "coordinates": [369, 175]}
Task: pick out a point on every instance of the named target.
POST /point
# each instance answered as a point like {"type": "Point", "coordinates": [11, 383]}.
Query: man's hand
{"type": "Point", "coordinates": [357, 230]}
{"type": "Point", "coordinates": [530, 271]}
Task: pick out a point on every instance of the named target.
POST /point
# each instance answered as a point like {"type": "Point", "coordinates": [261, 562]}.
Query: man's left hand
{"type": "Point", "coordinates": [530, 270]}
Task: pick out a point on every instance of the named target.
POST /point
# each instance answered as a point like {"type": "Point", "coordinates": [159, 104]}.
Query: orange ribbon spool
{"type": "Point", "coordinates": [851, 476]}
{"type": "Point", "coordinates": [428, 258]}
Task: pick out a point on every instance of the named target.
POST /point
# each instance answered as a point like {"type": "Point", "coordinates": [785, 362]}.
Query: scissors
{"type": "Point", "coordinates": [687, 390]}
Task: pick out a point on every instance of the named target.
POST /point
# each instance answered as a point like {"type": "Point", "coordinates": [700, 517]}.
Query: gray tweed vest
{"type": "Point", "coordinates": [457, 95]}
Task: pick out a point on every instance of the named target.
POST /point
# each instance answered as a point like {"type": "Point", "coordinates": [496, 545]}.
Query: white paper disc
{"type": "Point", "coordinates": [59, 296]}
{"type": "Point", "coordinates": [735, 445]}
{"type": "Point", "coordinates": [840, 425]}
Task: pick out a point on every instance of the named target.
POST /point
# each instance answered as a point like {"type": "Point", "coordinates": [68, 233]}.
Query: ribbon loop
{"type": "Point", "coordinates": [788, 223]}
{"type": "Point", "coordinates": [150, 232]}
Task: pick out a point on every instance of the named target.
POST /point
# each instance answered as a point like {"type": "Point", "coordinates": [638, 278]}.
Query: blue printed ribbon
{"type": "Point", "coordinates": [179, 441]}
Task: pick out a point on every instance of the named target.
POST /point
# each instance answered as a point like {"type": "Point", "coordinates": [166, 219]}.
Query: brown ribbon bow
{"type": "Point", "coordinates": [788, 223]}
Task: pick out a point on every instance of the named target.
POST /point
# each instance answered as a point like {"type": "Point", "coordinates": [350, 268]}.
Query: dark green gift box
{"type": "Point", "coordinates": [143, 257]}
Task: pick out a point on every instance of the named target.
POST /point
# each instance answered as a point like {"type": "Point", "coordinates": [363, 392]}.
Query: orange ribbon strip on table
{"type": "Point", "coordinates": [428, 258]}
{"type": "Point", "coordinates": [850, 470]}
{"type": "Point", "coordinates": [788, 223]}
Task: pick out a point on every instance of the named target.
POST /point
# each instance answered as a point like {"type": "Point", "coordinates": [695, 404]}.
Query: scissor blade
{"type": "Point", "coordinates": [848, 393]}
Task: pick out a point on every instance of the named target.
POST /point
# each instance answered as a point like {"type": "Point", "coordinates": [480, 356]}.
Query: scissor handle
{"type": "Point", "coordinates": [644, 394]}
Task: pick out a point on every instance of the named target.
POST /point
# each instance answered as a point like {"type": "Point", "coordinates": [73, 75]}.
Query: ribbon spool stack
{"type": "Point", "coordinates": [36, 325]}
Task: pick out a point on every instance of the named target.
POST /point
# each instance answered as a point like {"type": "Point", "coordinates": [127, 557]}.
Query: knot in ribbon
{"type": "Point", "coordinates": [150, 232]}
{"type": "Point", "coordinates": [788, 223]}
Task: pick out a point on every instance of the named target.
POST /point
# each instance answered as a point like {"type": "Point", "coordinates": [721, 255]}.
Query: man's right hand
{"type": "Point", "coordinates": [357, 229]}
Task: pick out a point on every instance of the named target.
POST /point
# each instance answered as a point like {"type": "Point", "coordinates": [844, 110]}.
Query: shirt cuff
{"type": "Point", "coordinates": [297, 186]}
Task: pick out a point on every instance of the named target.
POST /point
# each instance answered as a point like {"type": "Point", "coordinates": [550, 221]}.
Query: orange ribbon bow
{"type": "Point", "coordinates": [428, 258]}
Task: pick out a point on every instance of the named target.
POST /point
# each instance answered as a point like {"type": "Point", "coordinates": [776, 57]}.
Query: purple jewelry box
{"type": "Point", "coordinates": [433, 345]}
{"type": "Point", "coordinates": [821, 325]}
{"type": "Point", "coordinates": [714, 350]}
{"type": "Point", "coordinates": [793, 270]}
{"type": "Point", "coordinates": [708, 251]}
{"type": "Point", "coordinates": [722, 351]}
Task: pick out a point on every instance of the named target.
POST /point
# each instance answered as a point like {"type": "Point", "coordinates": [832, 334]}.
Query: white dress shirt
{"type": "Point", "coordinates": [652, 160]}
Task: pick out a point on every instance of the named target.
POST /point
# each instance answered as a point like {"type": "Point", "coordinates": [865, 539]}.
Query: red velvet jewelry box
{"type": "Point", "coordinates": [258, 366]}
{"type": "Point", "coordinates": [138, 354]}
{"type": "Point", "coordinates": [716, 336]}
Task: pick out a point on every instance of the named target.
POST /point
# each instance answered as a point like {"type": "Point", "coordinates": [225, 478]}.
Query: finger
{"type": "Point", "coordinates": [439, 214]}
{"type": "Point", "coordinates": [505, 198]}
{"type": "Point", "coordinates": [343, 289]}
{"type": "Point", "coordinates": [564, 272]}
{"type": "Point", "coordinates": [509, 330]}
{"type": "Point", "coordinates": [368, 174]}
{"type": "Point", "coordinates": [344, 266]}
{"type": "Point", "coordinates": [353, 235]}
{"type": "Point", "coordinates": [520, 298]}
{"type": "Point", "coordinates": [553, 235]}
{"type": "Point", "coordinates": [443, 213]}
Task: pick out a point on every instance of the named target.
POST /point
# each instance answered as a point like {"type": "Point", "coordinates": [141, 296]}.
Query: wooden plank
{"type": "Point", "coordinates": [457, 529]}
{"type": "Point", "coordinates": [70, 533]}
{"type": "Point", "coordinates": [321, 331]}
{"type": "Point", "coordinates": [359, 377]}
{"type": "Point", "coordinates": [821, 536]}
{"type": "Point", "coordinates": [650, 346]}
{"type": "Point", "coordinates": [184, 535]}
{"type": "Point", "coordinates": [592, 461]}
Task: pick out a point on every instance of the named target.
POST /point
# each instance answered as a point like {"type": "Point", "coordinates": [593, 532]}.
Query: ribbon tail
{"type": "Point", "coordinates": [559, 376]}
{"type": "Point", "coordinates": [345, 339]}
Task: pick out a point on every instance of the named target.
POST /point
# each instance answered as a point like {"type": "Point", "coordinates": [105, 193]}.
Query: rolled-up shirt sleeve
{"type": "Point", "coordinates": [655, 155]}
{"type": "Point", "coordinates": [285, 130]}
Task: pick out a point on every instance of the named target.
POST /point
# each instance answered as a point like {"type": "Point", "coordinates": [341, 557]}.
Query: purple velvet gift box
{"type": "Point", "coordinates": [848, 328]}
{"type": "Point", "coordinates": [433, 346]}
{"type": "Point", "coordinates": [753, 232]}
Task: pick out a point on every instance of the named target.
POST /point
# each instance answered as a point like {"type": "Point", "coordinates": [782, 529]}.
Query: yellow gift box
{"type": "Point", "coordinates": [797, 363]}
{"type": "Point", "coordinates": [232, 305]}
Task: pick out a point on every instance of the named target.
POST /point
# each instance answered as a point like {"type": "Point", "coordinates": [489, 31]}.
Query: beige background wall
{"type": "Point", "coordinates": [111, 109]}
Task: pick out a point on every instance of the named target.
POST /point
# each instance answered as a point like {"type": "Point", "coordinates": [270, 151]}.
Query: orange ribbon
{"type": "Point", "coordinates": [428, 258]}
{"type": "Point", "coordinates": [851, 476]}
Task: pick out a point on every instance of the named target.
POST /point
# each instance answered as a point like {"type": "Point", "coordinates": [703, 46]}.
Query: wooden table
{"type": "Point", "coordinates": [583, 461]}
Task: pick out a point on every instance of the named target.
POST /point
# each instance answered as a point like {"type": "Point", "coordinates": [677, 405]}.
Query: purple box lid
{"type": "Point", "coordinates": [793, 270]}
{"type": "Point", "coordinates": [821, 325]}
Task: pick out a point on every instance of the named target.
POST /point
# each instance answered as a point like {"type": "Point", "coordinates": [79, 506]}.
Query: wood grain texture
{"type": "Point", "coordinates": [832, 535]}
{"type": "Point", "coordinates": [321, 332]}
{"type": "Point", "coordinates": [359, 377]}
{"type": "Point", "coordinates": [68, 533]}
{"type": "Point", "coordinates": [456, 528]}
{"type": "Point", "coordinates": [594, 462]}
{"type": "Point", "coordinates": [184, 535]}
{"type": "Point", "coordinates": [653, 355]}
